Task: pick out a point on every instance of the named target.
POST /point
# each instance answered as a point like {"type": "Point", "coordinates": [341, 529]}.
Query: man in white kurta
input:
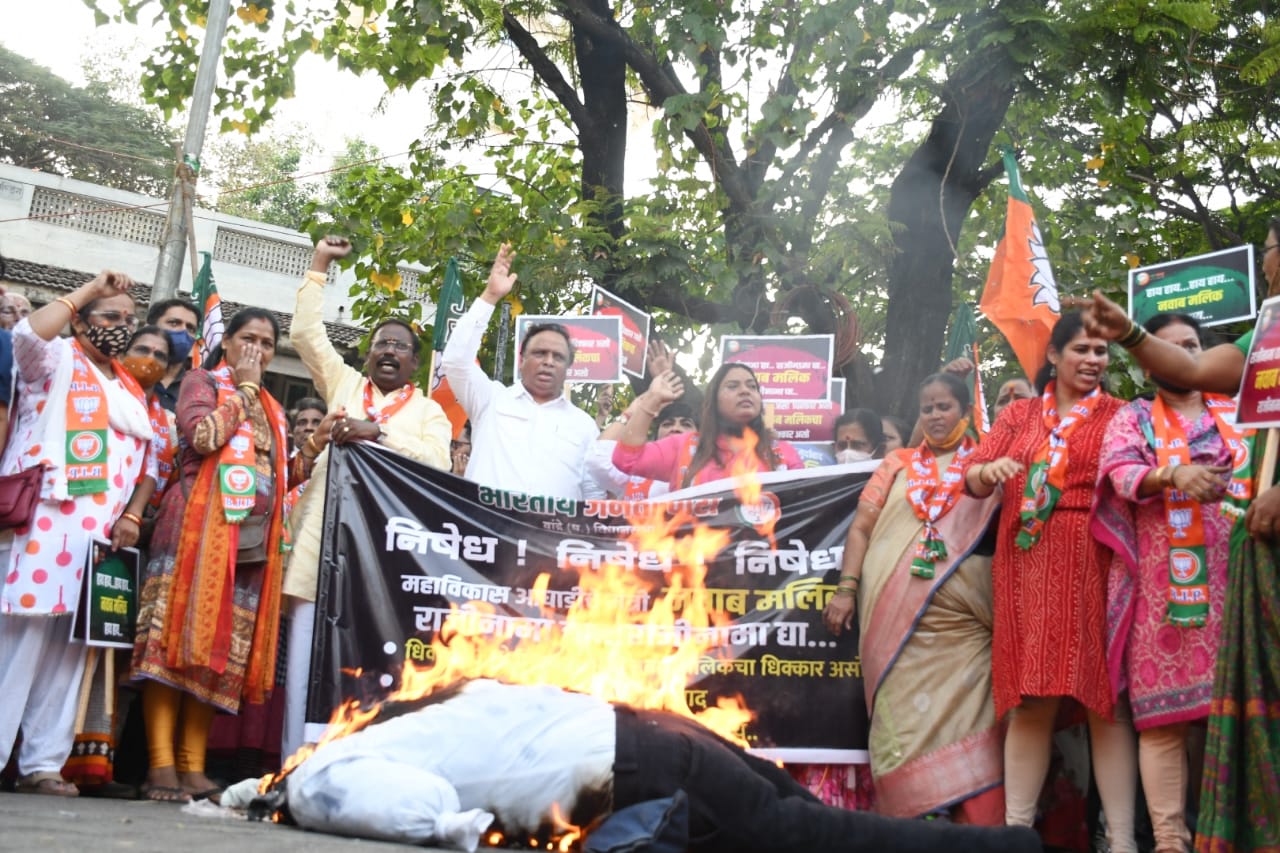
{"type": "Point", "coordinates": [381, 404]}
{"type": "Point", "coordinates": [526, 437]}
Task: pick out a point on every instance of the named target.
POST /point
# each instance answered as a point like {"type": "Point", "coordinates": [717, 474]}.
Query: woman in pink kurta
{"type": "Point", "coordinates": [733, 412]}
{"type": "Point", "coordinates": [1164, 661]}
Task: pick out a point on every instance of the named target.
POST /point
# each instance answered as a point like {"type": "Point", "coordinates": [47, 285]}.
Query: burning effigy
{"type": "Point", "coordinates": [563, 742]}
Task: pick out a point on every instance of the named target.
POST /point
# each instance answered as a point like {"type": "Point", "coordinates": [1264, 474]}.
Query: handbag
{"type": "Point", "coordinates": [19, 494]}
{"type": "Point", "coordinates": [253, 541]}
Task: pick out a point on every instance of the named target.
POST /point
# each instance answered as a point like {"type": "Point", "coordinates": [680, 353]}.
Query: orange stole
{"type": "Point", "coordinates": [198, 627]}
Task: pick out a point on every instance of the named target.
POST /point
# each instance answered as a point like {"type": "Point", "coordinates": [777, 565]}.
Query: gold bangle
{"type": "Point", "coordinates": [848, 590]}
{"type": "Point", "coordinates": [311, 442]}
{"type": "Point", "coordinates": [243, 385]}
{"type": "Point", "coordinates": [132, 517]}
{"type": "Point", "coordinates": [67, 302]}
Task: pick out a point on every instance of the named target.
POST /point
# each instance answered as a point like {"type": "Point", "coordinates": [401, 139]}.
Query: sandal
{"type": "Point", "coordinates": [165, 794]}
{"type": "Point", "coordinates": [213, 795]}
{"type": "Point", "coordinates": [47, 782]}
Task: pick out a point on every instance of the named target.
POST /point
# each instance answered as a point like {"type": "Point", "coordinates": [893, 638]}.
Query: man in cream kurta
{"type": "Point", "coordinates": [381, 404]}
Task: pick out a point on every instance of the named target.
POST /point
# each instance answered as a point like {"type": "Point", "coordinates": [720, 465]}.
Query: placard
{"type": "Point", "coordinates": [108, 611]}
{"type": "Point", "coordinates": [635, 328]}
{"type": "Point", "coordinates": [788, 367]}
{"type": "Point", "coordinates": [597, 342]}
{"type": "Point", "coordinates": [1260, 384]}
{"type": "Point", "coordinates": [1215, 288]}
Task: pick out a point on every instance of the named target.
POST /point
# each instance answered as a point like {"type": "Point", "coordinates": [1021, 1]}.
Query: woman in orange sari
{"type": "Point", "coordinates": [210, 605]}
{"type": "Point", "coordinates": [918, 568]}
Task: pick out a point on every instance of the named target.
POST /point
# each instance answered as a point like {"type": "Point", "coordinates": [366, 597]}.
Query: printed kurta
{"type": "Point", "coordinates": [1050, 601]}
{"type": "Point", "coordinates": [45, 563]}
{"type": "Point", "coordinates": [1168, 670]}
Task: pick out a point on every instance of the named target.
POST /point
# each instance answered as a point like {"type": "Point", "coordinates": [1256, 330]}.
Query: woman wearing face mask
{"type": "Point", "coordinates": [90, 766]}
{"type": "Point", "coordinates": [859, 436]}
{"type": "Point", "coordinates": [82, 416]}
{"type": "Point", "coordinates": [731, 439]}
{"type": "Point", "coordinates": [917, 571]}
{"type": "Point", "coordinates": [210, 610]}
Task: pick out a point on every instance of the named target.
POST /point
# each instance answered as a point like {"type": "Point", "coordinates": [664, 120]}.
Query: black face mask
{"type": "Point", "coordinates": [1172, 389]}
{"type": "Point", "coordinates": [109, 340]}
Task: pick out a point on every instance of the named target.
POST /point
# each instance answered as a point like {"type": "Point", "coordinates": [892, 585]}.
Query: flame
{"type": "Point", "coordinates": [608, 644]}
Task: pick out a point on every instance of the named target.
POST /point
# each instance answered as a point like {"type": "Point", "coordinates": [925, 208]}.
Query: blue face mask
{"type": "Point", "coordinates": [180, 344]}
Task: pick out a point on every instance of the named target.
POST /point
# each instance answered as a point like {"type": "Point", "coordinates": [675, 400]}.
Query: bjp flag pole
{"type": "Point", "coordinates": [448, 310]}
{"type": "Point", "coordinates": [962, 342]}
{"type": "Point", "coordinates": [1021, 296]}
{"type": "Point", "coordinates": [204, 292]}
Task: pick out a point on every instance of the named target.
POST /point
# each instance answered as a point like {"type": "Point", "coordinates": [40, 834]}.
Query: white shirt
{"type": "Point", "coordinates": [517, 443]}
{"type": "Point", "coordinates": [442, 773]}
{"type": "Point", "coordinates": [601, 468]}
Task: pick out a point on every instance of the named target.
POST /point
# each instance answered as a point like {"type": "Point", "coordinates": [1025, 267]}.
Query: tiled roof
{"type": "Point", "coordinates": [64, 280]}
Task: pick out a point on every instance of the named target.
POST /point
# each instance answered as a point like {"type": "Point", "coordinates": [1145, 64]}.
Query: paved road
{"type": "Point", "coordinates": [85, 825]}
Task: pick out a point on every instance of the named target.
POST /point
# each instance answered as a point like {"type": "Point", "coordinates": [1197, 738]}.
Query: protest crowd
{"type": "Point", "coordinates": [1067, 561]}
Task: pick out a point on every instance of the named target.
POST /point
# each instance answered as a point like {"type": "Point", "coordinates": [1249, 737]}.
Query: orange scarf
{"type": "Point", "coordinates": [381, 416]}
{"type": "Point", "coordinates": [1048, 475]}
{"type": "Point", "coordinates": [88, 422]}
{"type": "Point", "coordinates": [198, 628]}
{"type": "Point", "coordinates": [167, 450]}
{"type": "Point", "coordinates": [932, 495]}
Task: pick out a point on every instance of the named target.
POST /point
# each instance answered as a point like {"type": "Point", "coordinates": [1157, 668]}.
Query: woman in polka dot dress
{"type": "Point", "coordinates": [82, 416]}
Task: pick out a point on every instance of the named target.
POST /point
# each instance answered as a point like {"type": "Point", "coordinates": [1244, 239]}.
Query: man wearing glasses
{"type": "Point", "coordinates": [529, 437]}
{"type": "Point", "coordinates": [381, 404]}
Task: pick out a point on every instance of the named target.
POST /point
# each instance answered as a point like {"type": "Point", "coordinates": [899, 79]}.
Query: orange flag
{"type": "Point", "coordinates": [1021, 296]}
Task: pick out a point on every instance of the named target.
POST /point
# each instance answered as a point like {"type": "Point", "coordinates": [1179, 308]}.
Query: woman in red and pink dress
{"type": "Point", "coordinates": [1049, 578]}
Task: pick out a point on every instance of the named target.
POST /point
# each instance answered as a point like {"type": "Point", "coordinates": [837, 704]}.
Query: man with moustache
{"type": "Point", "coordinates": [382, 404]}
{"type": "Point", "coordinates": [528, 436]}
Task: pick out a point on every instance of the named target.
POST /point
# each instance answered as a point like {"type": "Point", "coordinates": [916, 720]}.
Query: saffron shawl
{"type": "Point", "coordinates": [198, 630]}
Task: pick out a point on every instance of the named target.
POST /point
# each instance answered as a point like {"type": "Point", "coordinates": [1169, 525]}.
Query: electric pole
{"type": "Point", "coordinates": [173, 245]}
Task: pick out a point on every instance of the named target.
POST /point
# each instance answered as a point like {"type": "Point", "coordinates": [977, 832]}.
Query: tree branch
{"type": "Point", "coordinates": [548, 72]}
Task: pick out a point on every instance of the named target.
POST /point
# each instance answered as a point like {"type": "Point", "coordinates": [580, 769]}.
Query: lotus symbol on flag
{"type": "Point", "coordinates": [1184, 564]}
{"type": "Point", "coordinates": [86, 446]}
{"type": "Point", "coordinates": [761, 512]}
{"type": "Point", "coordinates": [239, 443]}
{"type": "Point", "coordinates": [238, 479]}
{"type": "Point", "coordinates": [1042, 279]}
{"type": "Point", "coordinates": [1180, 520]}
{"type": "Point", "coordinates": [86, 407]}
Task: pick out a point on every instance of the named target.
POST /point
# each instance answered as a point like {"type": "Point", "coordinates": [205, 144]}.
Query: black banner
{"type": "Point", "coordinates": [405, 545]}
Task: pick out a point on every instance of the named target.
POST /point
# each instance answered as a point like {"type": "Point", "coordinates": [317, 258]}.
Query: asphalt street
{"type": "Point", "coordinates": [30, 822]}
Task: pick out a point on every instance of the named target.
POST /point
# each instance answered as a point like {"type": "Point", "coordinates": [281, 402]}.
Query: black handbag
{"type": "Point", "coordinates": [19, 494]}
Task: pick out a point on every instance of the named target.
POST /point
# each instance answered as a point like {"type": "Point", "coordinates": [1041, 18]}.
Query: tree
{"type": "Point", "coordinates": [781, 183]}
{"type": "Point", "coordinates": [48, 124]}
{"type": "Point", "coordinates": [258, 178]}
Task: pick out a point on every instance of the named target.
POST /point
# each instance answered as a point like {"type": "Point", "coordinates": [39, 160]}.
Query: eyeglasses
{"type": "Point", "coordinates": [8, 310]}
{"type": "Point", "coordinates": [116, 318]}
{"type": "Point", "coordinates": [386, 344]}
{"type": "Point", "coordinates": [1267, 247]}
{"type": "Point", "coordinates": [145, 351]}
{"type": "Point", "coordinates": [853, 444]}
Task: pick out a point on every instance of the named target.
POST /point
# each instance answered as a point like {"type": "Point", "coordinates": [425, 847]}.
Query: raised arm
{"type": "Point", "coordinates": [307, 332]}
{"type": "Point", "coordinates": [468, 381]}
{"type": "Point", "coordinates": [1218, 369]}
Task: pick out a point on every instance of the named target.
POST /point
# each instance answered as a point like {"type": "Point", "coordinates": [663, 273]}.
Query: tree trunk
{"type": "Point", "coordinates": [930, 199]}
{"type": "Point", "coordinates": [602, 71]}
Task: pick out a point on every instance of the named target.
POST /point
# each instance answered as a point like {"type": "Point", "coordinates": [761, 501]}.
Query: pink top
{"type": "Point", "coordinates": [665, 458]}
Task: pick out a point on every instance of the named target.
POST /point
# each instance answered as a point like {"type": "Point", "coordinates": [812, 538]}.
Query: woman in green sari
{"type": "Point", "coordinates": [919, 573]}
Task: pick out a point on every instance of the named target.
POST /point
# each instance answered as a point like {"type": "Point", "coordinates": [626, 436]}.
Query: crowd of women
{"type": "Point", "coordinates": [1071, 564]}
